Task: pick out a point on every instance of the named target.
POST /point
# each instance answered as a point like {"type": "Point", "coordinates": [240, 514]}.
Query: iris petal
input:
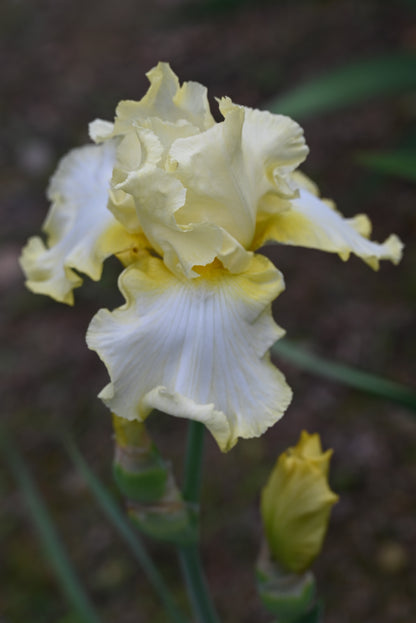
{"type": "Point", "coordinates": [195, 348]}
{"type": "Point", "coordinates": [315, 223]}
{"type": "Point", "coordinates": [81, 231]}
{"type": "Point", "coordinates": [228, 169]}
{"type": "Point", "coordinates": [167, 100]}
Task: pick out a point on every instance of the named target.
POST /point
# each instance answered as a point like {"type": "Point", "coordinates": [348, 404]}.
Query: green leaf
{"type": "Point", "coordinates": [49, 538]}
{"type": "Point", "coordinates": [400, 163]}
{"type": "Point", "coordinates": [348, 85]}
{"type": "Point", "coordinates": [124, 528]}
{"type": "Point", "coordinates": [352, 377]}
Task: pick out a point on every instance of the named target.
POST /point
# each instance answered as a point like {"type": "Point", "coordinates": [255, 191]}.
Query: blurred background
{"type": "Point", "coordinates": [67, 62]}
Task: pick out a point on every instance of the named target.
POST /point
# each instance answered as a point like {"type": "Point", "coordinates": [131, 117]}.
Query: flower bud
{"type": "Point", "coordinates": [296, 503]}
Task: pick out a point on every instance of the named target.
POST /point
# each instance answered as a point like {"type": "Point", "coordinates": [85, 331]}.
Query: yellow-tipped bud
{"type": "Point", "coordinates": [296, 503]}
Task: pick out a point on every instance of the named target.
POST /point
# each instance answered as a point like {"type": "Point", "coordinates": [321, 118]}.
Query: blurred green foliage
{"type": "Point", "coordinates": [400, 163]}
{"type": "Point", "coordinates": [349, 85]}
{"type": "Point", "coordinates": [347, 375]}
{"type": "Point", "coordinates": [48, 536]}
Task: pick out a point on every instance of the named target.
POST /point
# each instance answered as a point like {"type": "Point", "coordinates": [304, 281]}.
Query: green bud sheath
{"type": "Point", "coordinates": [288, 596]}
{"type": "Point", "coordinates": [171, 519]}
{"type": "Point", "coordinates": [139, 470]}
{"type": "Point", "coordinates": [154, 502]}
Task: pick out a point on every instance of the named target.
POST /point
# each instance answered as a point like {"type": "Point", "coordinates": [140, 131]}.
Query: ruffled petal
{"type": "Point", "coordinates": [158, 196]}
{"type": "Point", "coordinates": [312, 222]}
{"type": "Point", "coordinates": [230, 170]}
{"type": "Point", "coordinates": [273, 146]}
{"type": "Point", "coordinates": [140, 145]}
{"type": "Point", "coordinates": [100, 130]}
{"type": "Point", "coordinates": [81, 231]}
{"type": "Point", "coordinates": [194, 348]}
{"type": "Point", "coordinates": [167, 100]}
{"type": "Point", "coordinates": [139, 148]}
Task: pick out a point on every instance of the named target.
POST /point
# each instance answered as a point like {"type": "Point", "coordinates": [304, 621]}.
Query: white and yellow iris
{"type": "Point", "coordinates": [184, 202]}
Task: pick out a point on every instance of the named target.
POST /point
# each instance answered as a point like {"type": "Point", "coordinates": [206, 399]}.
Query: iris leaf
{"type": "Point", "coordinates": [48, 535]}
{"type": "Point", "coordinates": [401, 163]}
{"type": "Point", "coordinates": [347, 375]}
{"type": "Point", "coordinates": [348, 85]}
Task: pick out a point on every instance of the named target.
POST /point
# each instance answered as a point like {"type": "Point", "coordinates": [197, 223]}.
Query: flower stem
{"type": "Point", "coordinates": [203, 608]}
{"type": "Point", "coordinates": [193, 462]}
{"type": "Point", "coordinates": [199, 596]}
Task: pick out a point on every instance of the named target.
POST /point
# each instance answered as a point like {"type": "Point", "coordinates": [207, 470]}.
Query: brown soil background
{"type": "Point", "coordinates": [67, 62]}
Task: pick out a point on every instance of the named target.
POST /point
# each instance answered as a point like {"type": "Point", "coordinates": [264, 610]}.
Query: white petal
{"type": "Point", "coordinates": [194, 348]}
{"type": "Point", "coordinates": [315, 223]}
{"type": "Point", "coordinates": [81, 231]}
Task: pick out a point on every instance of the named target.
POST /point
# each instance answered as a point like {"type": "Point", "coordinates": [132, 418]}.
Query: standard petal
{"type": "Point", "coordinates": [158, 197]}
{"type": "Point", "coordinates": [235, 167]}
{"type": "Point", "coordinates": [137, 149]}
{"type": "Point", "coordinates": [273, 145]}
{"type": "Point", "coordinates": [81, 231]}
{"type": "Point", "coordinates": [167, 100]}
{"type": "Point", "coordinates": [194, 348]}
{"type": "Point", "coordinates": [312, 222]}
{"type": "Point", "coordinates": [140, 148]}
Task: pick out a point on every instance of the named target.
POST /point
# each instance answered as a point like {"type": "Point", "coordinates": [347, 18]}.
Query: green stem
{"type": "Point", "coordinates": [193, 462]}
{"type": "Point", "coordinates": [202, 605]}
{"type": "Point", "coordinates": [203, 608]}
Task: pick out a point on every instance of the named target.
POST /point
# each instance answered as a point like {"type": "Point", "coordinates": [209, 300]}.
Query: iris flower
{"type": "Point", "coordinates": [185, 202]}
